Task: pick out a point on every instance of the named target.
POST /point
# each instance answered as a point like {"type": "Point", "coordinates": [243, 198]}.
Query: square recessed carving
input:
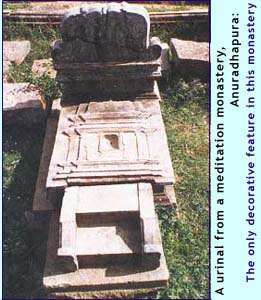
{"type": "Point", "coordinates": [110, 142]}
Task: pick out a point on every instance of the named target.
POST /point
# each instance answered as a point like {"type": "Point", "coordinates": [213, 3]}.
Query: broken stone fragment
{"type": "Point", "coordinates": [105, 52]}
{"type": "Point", "coordinates": [190, 57]}
{"type": "Point", "coordinates": [106, 33]}
{"type": "Point", "coordinates": [43, 67]}
{"type": "Point", "coordinates": [190, 50]}
{"type": "Point", "coordinates": [22, 103]}
{"type": "Point", "coordinates": [16, 51]}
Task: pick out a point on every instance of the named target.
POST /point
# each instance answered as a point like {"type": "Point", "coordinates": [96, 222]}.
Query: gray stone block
{"type": "Point", "coordinates": [111, 280]}
{"type": "Point", "coordinates": [190, 57]}
{"type": "Point", "coordinates": [165, 60]}
{"type": "Point", "coordinates": [42, 67]}
{"type": "Point", "coordinates": [105, 33]}
{"type": "Point", "coordinates": [22, 103]}
{"type": "Point", "coordinates": [16, 51]}
{"type": "Point", "coordinates": [106, 52]}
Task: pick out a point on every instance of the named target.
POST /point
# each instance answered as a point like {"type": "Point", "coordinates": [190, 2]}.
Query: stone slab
{"type": "Point", "coordinates": [182, 49]}
{"type": "Point", "coordinates": [40, 201]}
{"type": "Point", "coordinates": [16, 51]}
{"type": "Point", "coordinates": [108, 238]}
{"type": "Point", "coordinates": [102, 278]}
{"type": "Point", "coordinates": [190, 57]}
{"type": "Point", "coordinates": [103, 294]}
{"type": "Point", "coordinates": [108, 198]}
{"type": "Point", "coordinates": [22, 103]}
{"type": "Point", "coordinates": [110, 142]}
{"type": "Point", "coordinates": [42, 67]}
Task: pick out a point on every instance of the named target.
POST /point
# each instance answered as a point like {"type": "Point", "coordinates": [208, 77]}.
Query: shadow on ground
{"type": "Point", "coordinates": [24, 248]}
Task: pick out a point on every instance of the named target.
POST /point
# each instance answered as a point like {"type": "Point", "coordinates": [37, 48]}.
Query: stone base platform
{"type": "Point", "coordinates": [110, 280]}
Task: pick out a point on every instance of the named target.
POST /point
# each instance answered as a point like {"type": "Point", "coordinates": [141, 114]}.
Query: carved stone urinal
{"type": "Point", "coordinates": [110, 159]}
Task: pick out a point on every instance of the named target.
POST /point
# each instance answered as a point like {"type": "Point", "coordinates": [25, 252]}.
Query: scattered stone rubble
{"type": "Point", "coordinates": [23, 103]}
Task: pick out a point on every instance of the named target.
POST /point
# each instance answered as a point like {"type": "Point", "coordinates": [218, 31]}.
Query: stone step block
{"type": "Point", "coordinates": [99, 239]}
{"type": "Point", "coordinates": [23, 103]}
{"type": "Point", "coordinates": [16, 51]}
{"type": "Point", "coordinates": [42, 67]}
{"type": "Point", "coordinates": [112, 279]}
{"type": "Point", "coordinates": [190, 57]}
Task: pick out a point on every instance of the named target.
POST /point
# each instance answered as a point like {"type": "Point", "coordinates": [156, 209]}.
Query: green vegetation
{"type": "Point", "coordinates": [15, 5]}
{"type": "Point", "coordinates": [41, 38]}
{"type": "Point", "coordinates": [185, 236]}
{"type": "Point", "coordinates": [151, 6]}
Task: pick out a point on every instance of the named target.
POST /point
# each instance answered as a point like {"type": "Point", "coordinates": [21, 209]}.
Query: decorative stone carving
{"type": "Point", "coordinates": [106, 33]}
{"type": "Point", "coordinates": [110, 159]}
{"type": "Point", "coordinates": [111, 141]}
{"type": "Point", "coordinates": [106, 52]}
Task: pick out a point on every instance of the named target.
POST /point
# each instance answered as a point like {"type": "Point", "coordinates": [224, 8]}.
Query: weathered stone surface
{"type": "Point", "coordinates": [16, 51]}
{"type": "Point", "coordinates": [42, 67]}
{"type": "Point", "coordinates": [100, 278]}
{"type": "Point", "coordinates": [90, 82]}
{"type": "Point", "coordinates": [121, 198]}
{"type": "Point", "coordinates": [106, 52]}
{"type": "Point", "coordinates": [117, 222]}
{"type": "Point", "coordinates": [110, 159]}
{"type": "Point", "coordinates": [165, 60]}
{"type": "Point", "coordinates": [6, 69]}
{"type": "Point", "coordinates": [189, 50]}
{"type": "Point", "coordinates": [105, 33]}
{"type": "Point", "coordinates": [22, 103]}
{"type": "Point", "coordinates": [110, 142]}
{"type": "Point", "coordinates": [190, 57]}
